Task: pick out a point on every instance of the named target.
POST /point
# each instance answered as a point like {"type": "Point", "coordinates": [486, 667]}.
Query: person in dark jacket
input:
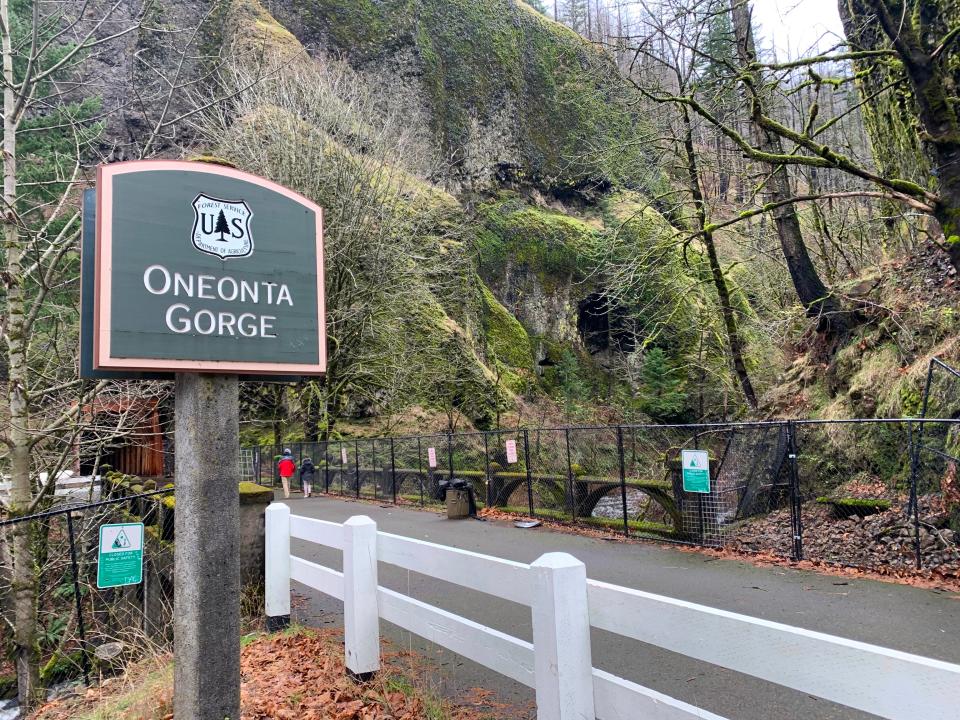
{"type": "Point", "coordinates": [286, 467]}
{"type": "Point", "coordinates": [307, 471]}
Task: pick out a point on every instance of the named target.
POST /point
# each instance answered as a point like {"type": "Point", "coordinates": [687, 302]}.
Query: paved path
{"type": "Point", "coordinates": [910, 619]}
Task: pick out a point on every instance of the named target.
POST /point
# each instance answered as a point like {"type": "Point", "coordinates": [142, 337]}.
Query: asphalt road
{"type": "Point", "coordinates": [920, 621]}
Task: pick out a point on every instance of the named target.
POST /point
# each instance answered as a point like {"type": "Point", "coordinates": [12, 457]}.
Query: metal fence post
{"type": "Point", "coordinates": [450, 453]}
{"type": "Point", "coordinates": [373, 445]}
{"type": "Point", "coordinates": [326, 467]}
{"type": "Point", "coordinates": [276, 468]}
{"type": "Point", "coordinates": [701, 523]}
{"type": "Point", "coordinates": [623, 481]}
{"type": "Point", "coordinates": [393, 470]}
{"type": "Point", "coordinates": [84, 657]}
{"type": "Point", "coordinates": [563, 666]}
{"type": "Point", "coordinates": [259, 457]}
{"type": "Point", "coordinates": [486, 461]}
{"type": "Point", "coordinates": [356, 461]}
{"type": "Point", "coordinates": [526, 461]}
{"type": "Point", "coordinates": [796, 504]}
{"type": "Point", "coordinates": [361, 617]}
{"type": "Point", "coordinates": [914, 503]}
{"type": "Point", "coordinates": [571, 498]}
{"type": "Point", "coordinates": [420, 468]}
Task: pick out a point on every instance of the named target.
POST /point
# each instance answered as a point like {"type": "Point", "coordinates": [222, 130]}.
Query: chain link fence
{"type": "Point", "coordinates": [867, 493]}
{"type": "Point", "coordinates": [77, 619]}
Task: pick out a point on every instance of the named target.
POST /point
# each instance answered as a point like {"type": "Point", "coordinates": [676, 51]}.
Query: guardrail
{"type": "Point", "coordinates": [564, 606]}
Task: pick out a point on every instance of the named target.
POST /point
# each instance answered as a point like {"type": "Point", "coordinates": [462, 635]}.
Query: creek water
{"type": "Point", "coordinates": [9, 710]}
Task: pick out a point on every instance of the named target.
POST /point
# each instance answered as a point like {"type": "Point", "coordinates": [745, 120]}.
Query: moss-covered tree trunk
{"type": "Point", "coordinates": [918, 107]}
{"type": "Point", "coordinates": [24, 583]}
{"type": "Point", "coordinates": [817, 300]}
{"type": "Point", "coordinates": [734, 339]}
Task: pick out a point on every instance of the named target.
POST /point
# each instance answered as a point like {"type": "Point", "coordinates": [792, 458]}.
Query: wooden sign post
{"type": "Point", "coordinates": [203, 273]}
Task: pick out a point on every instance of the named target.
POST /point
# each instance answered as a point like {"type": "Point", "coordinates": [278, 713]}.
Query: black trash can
{"type": "Point", "coordinates": [458, 495]}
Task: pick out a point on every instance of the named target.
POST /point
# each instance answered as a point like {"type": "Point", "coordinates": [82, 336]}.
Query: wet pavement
{"type": "Point", "coordinates": [896, 616]}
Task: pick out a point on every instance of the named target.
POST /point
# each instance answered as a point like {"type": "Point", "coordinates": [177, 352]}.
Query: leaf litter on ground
{"type": "Point", "coordinates": [295, 675]}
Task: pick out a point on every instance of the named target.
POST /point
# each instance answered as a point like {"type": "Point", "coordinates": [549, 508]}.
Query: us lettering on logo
{"type": "Point", "coordinates": [222, 227]}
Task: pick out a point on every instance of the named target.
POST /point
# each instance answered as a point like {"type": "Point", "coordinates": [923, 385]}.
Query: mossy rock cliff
{"type": "Point", "coordinates": [511, 95]}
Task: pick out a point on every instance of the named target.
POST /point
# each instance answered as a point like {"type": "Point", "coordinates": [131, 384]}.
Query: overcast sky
{"type": "Point", "coordinates": [796, 26]}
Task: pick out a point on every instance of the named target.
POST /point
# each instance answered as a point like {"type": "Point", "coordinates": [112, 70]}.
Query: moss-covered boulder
{"type": "Point", "coordinates": [849, 507]}
{"type": "Point", "coordinates": [253, 494]}
{"type": "Point", "coordinates": [531, 258]}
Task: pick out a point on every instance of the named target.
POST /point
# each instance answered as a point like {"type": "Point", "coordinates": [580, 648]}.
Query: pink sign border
{"type": "Point", "coordinates": [103, 360]}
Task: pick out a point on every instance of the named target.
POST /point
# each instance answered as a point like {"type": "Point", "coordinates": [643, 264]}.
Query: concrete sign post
{"type": "Point", "coordinates": [696, 471]}
{"type": "Point", "coordinates": [206, 273]}
{"type": "Point", "coordinates": [206, 594]}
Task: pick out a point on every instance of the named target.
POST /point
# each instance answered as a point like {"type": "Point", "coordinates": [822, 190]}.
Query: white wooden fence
{"type": "Point", "coordinates": [564, 605]}
{"type": "Point", "coordinates": [74, 487]}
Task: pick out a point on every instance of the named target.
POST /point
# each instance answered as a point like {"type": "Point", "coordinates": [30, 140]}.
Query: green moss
{"type": "Point", "coordinates": [358, 26]}
{"type": "Point", "coordinates": [861, 507]}
{"type": "Point", "coordinates": [505, 336]}
{"type": "Point", "coordinates": [252, 494]}
{"type": "Point", "coordinates": [212, 160]}
{"type": "Point", "coordinates": [550, 244]}
{"type": "Point", "coordinates": [60, 667]}
{"type": "Point", "coordinates": [253, 28]}
{"type": "Point", "coordinates": [8, 685]}
{"type": "Point", "coordinates": [566, 104]}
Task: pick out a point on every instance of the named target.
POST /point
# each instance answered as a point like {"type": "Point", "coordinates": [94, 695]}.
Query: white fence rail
{"type": "Point", "coordinates": [564, 606]}
{"type": "Point", "coordinates": [69, 485]}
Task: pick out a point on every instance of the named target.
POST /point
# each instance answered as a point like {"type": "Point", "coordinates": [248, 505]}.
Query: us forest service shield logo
{"type": "Point", "coordinates": [222, 227]}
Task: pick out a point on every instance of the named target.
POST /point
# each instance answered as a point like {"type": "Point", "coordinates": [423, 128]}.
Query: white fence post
{"type": "Point", "coordinates": [277, 566]}
{"type": "Point", "coordinates": [563, 667]}
{"type": "Point", "coordinates": [361, 618]}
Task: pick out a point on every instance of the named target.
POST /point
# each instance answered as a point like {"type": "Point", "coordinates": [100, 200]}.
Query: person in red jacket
{"type": "Point", "coordinates": [287, 467]}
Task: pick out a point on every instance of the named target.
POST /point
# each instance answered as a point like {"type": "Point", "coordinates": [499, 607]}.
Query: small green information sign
{"type": "Point", "coordinates": [696, 471]}
{"type": "Point", "coordinates": [120, 560]}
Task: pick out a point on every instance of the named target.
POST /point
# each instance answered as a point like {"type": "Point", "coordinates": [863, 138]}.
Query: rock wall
{"type": "Point", "coordinates": [509, 95]}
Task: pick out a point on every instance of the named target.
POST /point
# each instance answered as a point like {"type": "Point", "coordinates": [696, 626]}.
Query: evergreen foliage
{"type": "Point", "coordinates": [662, 395]}
{"type": "Point", "coordinates": [571, 386]}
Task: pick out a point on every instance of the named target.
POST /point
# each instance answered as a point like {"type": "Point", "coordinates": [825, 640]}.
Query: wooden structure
{"type": "Point", "coordinates": [137, 445]}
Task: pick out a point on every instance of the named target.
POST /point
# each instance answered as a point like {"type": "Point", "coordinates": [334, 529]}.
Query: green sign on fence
{"type": "Point", "coordinates": [696, 471]}
{"type": "Point", "coordinates": [120, 561]}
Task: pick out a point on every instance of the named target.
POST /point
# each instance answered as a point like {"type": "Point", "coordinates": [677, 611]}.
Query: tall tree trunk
{"type": "Point", "coordinates": [734, 339]}
{"type": "Point", "coordinates": [916, 36]}
{"type": "Point", "coordinates": [816, 299]}
{"type": "Point", "coordinates": [723, 182]}
{"type": "Point", "coordinates": [24, 576]}
{"type": "Point", "coordinates": [311, 424]}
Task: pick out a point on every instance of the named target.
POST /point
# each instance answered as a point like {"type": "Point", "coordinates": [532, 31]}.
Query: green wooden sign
{"type": "Point", "coordinates": [696, 471]}
{"type": "Point", "coordinates": [203, 268]}
{"type": "Point", "coordinates": [120, 560]}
